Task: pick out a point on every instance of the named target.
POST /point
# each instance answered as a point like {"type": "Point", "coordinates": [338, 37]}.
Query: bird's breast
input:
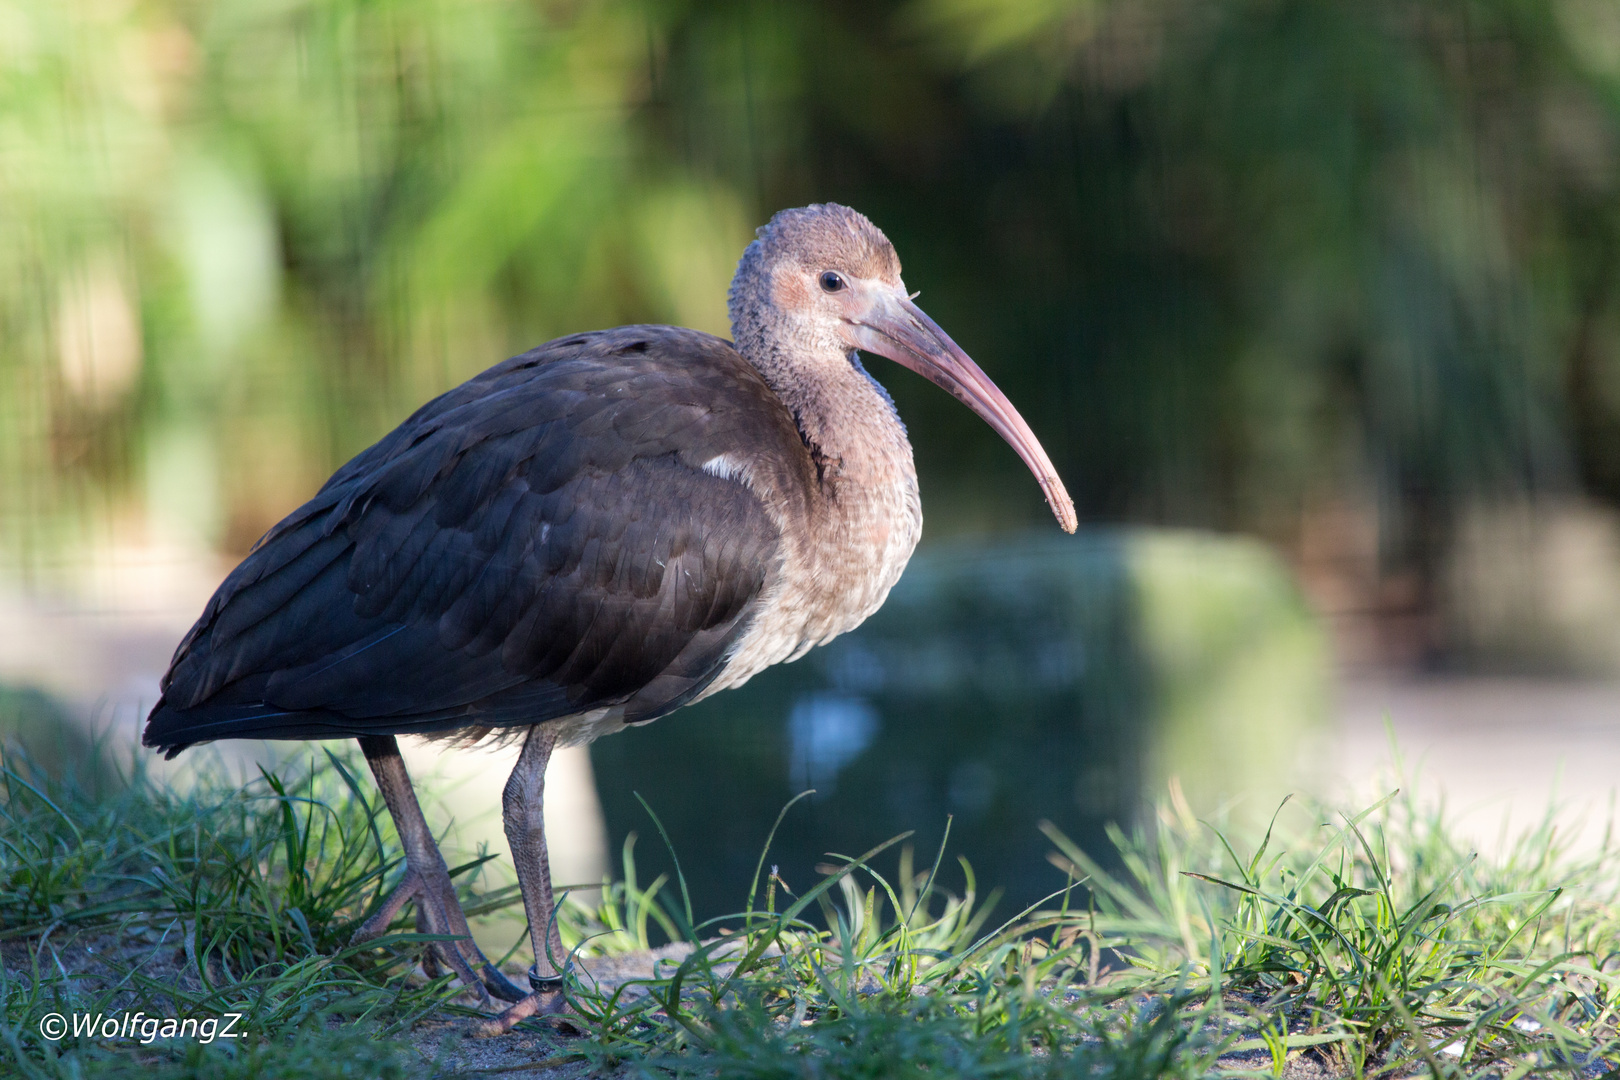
{"type": "Point", "coordinates": [840, 559]}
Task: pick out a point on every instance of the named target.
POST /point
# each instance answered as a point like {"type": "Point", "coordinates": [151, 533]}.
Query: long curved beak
{"type": "Point", "coordinates": [894, 327]}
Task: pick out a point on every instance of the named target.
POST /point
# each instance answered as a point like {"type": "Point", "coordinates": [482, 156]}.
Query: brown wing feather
{"type": "Point", "coordinates": [540, 541]}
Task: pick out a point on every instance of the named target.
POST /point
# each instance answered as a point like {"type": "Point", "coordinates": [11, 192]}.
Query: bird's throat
{"type": "Point", "coordinates": [848, 421]}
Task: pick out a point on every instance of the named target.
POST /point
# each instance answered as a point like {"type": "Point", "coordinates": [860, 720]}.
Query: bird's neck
{"type": "Point", "coordinates": [847, 420]}
{"type": "Point", "coordinates": [865, 516]}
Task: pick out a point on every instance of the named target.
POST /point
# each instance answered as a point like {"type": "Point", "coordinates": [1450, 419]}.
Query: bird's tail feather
{"type": "Point", "coordinates": [172, 730]}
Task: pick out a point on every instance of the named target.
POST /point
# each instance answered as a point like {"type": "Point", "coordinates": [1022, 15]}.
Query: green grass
{"type": "Point", "coordinates": [1373, 942]}
{"type": "Point", "coordinates": [128, 895]}
{"type": "Point", "coordinates": [1378, 939]}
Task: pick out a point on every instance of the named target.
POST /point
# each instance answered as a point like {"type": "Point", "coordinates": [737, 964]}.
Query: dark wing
{"type": "Point", "coordinates": [538, 542]}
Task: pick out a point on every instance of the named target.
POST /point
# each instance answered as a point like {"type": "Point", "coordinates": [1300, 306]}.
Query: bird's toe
{"type": "Point", "coordinates": [498, 984]}
{"type": "Point", "coordinates": [377, 923]}
{"type": "Point", "coordinates": [548, 1004]}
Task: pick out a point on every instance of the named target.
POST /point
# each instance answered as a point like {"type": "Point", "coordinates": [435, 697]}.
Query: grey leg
{"type": "Point", "coordinates": [523, 810]}
{"type": "Point", "coordinates": [426, 881]}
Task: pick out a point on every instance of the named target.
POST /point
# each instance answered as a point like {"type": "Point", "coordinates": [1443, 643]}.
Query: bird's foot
{"type": "Point", "coordinates": [438, 911]}
{"type": "Point", "coordinates": [547, 999]}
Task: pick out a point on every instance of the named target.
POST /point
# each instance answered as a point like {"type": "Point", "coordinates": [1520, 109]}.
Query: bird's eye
{"type": "Point", "coordinates": [831, 281]}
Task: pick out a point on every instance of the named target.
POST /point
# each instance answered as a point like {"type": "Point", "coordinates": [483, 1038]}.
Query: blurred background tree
{"type": "Point", "coordinates": [1338, 272]}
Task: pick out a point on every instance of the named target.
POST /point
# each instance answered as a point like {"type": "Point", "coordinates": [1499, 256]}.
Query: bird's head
{"type": "Point", "coordinates": [824, 281]}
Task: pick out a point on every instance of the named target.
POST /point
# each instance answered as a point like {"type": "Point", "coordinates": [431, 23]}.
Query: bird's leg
{"type": "Point", "coordinates": [426, 881]}
{"type": "Point", "coordinates": [523, 811]}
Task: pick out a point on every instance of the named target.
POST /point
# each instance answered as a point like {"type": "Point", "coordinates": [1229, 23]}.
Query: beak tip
{"type": "Point", "coordinates": [1057, 497]}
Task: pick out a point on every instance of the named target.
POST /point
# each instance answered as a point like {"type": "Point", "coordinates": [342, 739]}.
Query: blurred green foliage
{"type": "Point", "coordinates": [1233, 258]}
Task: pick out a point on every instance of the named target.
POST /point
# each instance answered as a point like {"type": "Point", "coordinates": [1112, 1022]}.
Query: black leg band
{"type": "Point", "coordinates": [547, 984]}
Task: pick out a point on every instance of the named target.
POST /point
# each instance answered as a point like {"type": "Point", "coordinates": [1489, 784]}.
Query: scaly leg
{"type": "Point", "coordinates": [523, 811]}
{"type": "Point", "coordinates": [426, 881]}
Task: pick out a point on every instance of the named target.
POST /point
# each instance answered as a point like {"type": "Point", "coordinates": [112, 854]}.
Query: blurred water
{"type": "Point", "coordinates": [999, 686]}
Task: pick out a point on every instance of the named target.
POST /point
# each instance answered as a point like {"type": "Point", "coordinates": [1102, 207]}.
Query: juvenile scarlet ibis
{"type": "Point", "coordinates": [589, 536]}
